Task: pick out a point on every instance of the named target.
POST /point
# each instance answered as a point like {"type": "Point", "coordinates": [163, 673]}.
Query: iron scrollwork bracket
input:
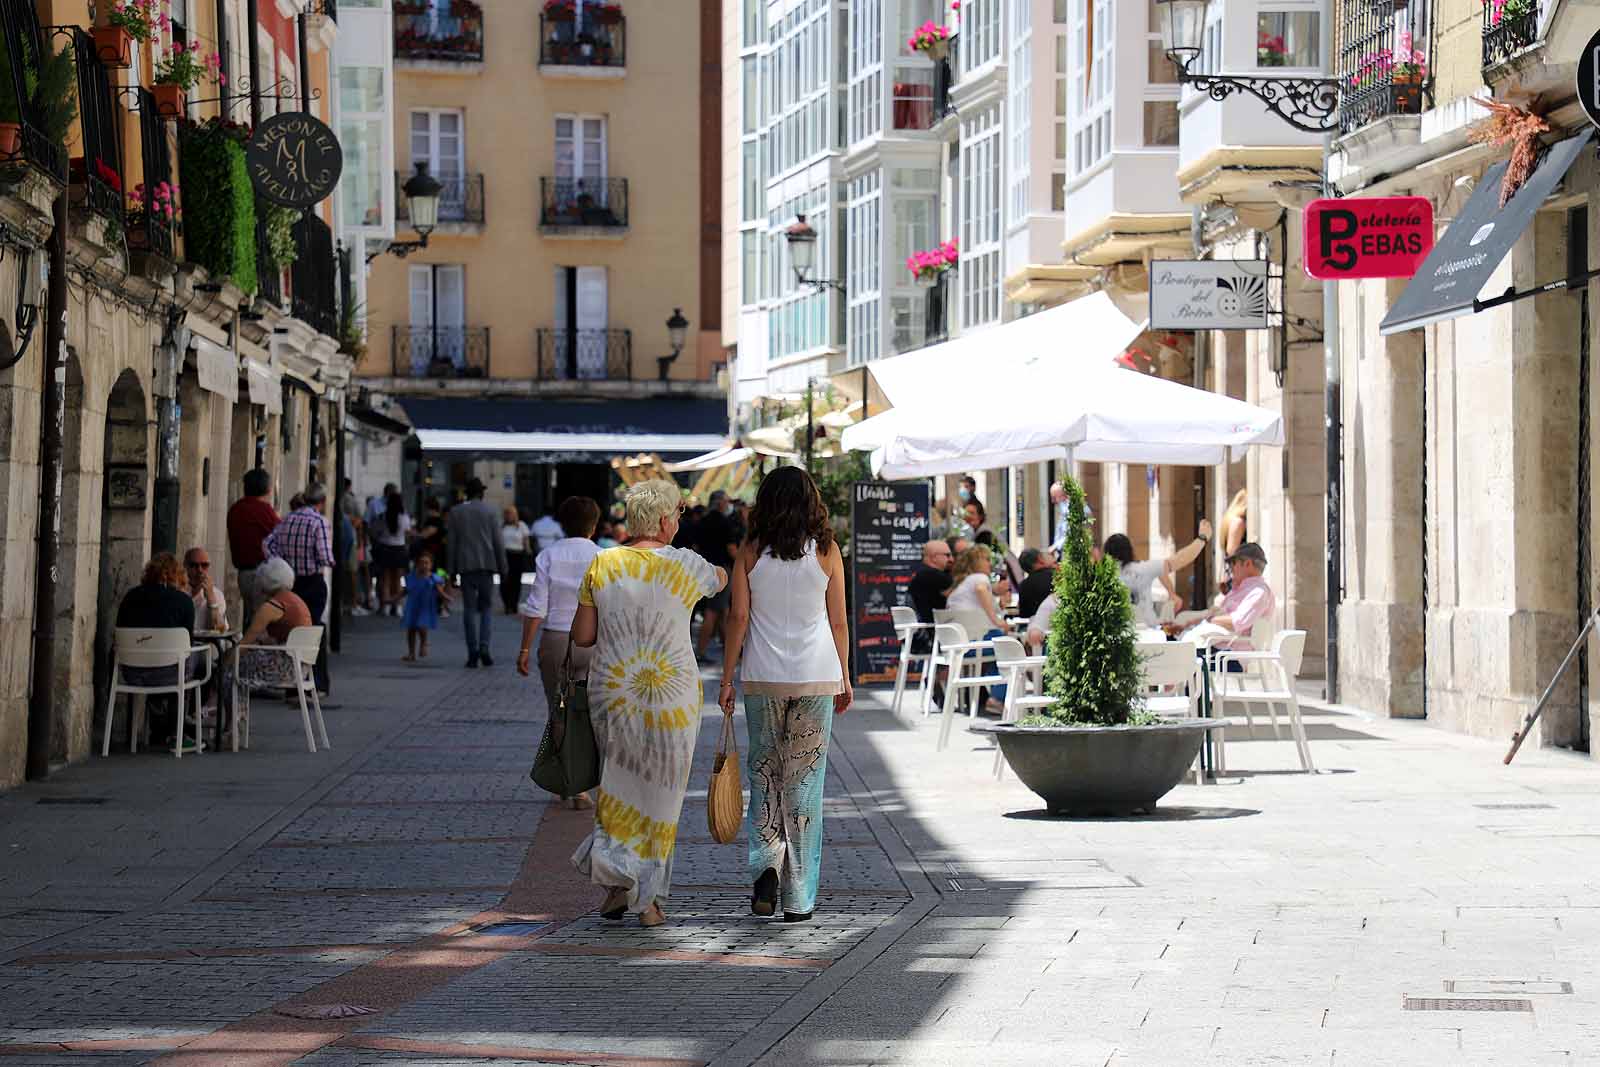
{"type": "Point", "coordinates": [1309, 104]}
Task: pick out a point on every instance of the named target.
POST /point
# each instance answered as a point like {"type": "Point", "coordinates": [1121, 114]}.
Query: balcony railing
{"type": "Point", "coordinates": [585, 355]}
{"type": "Point", "coordinates": [315, 276]}
{"type": "Point", "coordinates": [269, 276]}
{"type": "Point", "coordinates": [1374, 84]}
{"type": "Point", "coordinates": [450, 31]}
{"type": "Point", "coordinates": [461, 199]}
{"type": "Point", "coordinates": [149, 226]}
{"type": "Point", "coordinates": [599, 202]}
{"type": "Point", "coordinates": [24, 42]}
{"type": "Point", "coordinates": [1509, 26]}
{"type": "Point", "coordinates": [596, 38]}
{"type": "Point", "coordinates": [98, 172]}
{"type": "Point", "coordinates": [944, 79]}
{"type": "Point", "coordinates": [936, 311]}
{"type": "Point", "coordinates": [440, 351]}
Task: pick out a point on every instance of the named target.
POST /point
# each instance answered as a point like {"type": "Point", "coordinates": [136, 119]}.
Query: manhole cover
{"type": "Point", "coordinates": [327, 1011]}
{"type": "Point", "coordinates": [1466, 1004]}
{"type": "Point", "coordinates": [511, 929]}
{"type": "Point", "coordinates": [1505, 985]}
{"type": "Point", "coordinates": [74, 800]}
{"type": "Point", "coordinates": [1514, 807]}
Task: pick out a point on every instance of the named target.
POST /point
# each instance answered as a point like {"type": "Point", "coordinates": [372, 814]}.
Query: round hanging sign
{"type": "Point", "coordinates": [294, 160]}
{"type": "Point", "coordinates": [1589, 79]}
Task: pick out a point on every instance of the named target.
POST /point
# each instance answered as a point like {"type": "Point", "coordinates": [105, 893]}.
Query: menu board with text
{"type": "Point", "coordinates": [889, 524]}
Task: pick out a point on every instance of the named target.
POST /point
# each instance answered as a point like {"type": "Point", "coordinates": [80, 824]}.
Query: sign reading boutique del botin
{"type": "Point", "coordinates": [1367, 237]}
{"type": "Point", "coordinates": [294, 159]}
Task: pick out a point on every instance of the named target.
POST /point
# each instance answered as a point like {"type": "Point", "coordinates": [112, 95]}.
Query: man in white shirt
{"type": "Point", "coordinates": [547, 529]}
{"type": "Point", "coordinates": [210, 610]}
{"type": "Point", "coordinates": [1138, 576]}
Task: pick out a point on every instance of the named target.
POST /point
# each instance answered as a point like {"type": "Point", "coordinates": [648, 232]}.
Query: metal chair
{"type": "Point", "coordinates": [1172, 681]}
{"type": "Point", "coordinates": [155, 648]}
{"type": "Point", "coordinates": [301, 649]}
{"type": "Point", "coordinates": [954, 649]}
{"type": "Point", "coordinates": [1024, 687]}
{"type": "Point", "coordinates": [906, 627]}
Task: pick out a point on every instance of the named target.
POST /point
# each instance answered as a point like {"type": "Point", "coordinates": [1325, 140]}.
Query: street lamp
{"type": "Point", "coordinates": [422, 200]}
{"type": "Point", "coordinates": [677, 336]}
{"type": "Point", "coordinates": [1306, 103]}
{"type": "Point", "coordinates": [802, 240]}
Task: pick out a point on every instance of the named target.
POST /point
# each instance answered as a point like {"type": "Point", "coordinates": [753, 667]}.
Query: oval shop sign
{"type": "Point", "coordinates": [294, 159]}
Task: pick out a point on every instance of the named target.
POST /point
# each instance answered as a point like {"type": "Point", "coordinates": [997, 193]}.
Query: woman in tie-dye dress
{"type": "Point", "coordinates": [644, 699]}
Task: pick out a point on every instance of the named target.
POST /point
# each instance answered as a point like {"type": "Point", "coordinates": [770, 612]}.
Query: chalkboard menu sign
{"type": "Point", "coordinates": [888, 527]}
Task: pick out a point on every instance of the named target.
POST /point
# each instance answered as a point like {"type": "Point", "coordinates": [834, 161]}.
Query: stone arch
{"type": "Point", "coordinates": [125, 513]}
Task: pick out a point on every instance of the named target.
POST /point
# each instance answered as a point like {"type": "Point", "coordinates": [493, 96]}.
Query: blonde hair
{"type": "Point", "coordinates": [969, 563]}
{"type": "Point", "coordinates": [650, 502]}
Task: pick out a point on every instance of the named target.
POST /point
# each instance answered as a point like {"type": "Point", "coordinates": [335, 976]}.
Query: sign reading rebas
{"type": "Point", "coordinates": [294, 160]}
{"type": "Point", "coordinates": [1368, 237]}
{"type": "Point", "coordinates": [1208, 294]}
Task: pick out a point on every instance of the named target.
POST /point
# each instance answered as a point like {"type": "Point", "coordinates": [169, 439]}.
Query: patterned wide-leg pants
{"type": "Point", "coordinates": [787, 758]}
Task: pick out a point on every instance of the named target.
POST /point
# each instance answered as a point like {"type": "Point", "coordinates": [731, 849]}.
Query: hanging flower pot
{"type": "Point", "coordinates": [10, 135]}
{"type": "Point", "coordinates": [114, 46]}
{"type": "Point", "coordinates": [171, 100]}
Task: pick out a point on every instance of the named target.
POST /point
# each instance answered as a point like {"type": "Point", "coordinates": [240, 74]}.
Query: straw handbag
{"type": "Point", "coordinates": [725, 796]}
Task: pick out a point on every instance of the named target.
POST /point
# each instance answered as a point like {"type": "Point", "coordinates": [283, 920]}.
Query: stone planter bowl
{"type": "Point", "coordinates": [1101, 770]}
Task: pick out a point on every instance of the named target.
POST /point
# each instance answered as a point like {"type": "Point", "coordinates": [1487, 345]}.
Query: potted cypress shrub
{"type": "Point", "coordinates": [1095, 750]}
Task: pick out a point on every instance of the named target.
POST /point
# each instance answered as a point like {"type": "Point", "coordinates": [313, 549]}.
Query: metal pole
{"type": "Point", "coordinates": [305, 72]}
{"type": "Point", "coordinates": [1333, 446]}
{"type": "Point", "coordinates": [809, 429]}
{"type": "Point", "coordinates": [225, 50]}
{"type": "Point", "coordinates": [1538, 709]}
{"type": "Point", "coordinates": [252, 15]}
{"type": "Point", "coordinates": [341, 576]}
{"type": "Point", "coordinates": [164, 533]}
{"type": "Point", "coordinates": [52, 429]}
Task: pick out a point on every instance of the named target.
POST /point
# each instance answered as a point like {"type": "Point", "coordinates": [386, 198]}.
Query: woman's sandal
{"type": "Point", "coordinates": [615, 905]}
{"type": "Point", "coordinates": [764, 900]}
{"type": "Point", "coordinates": [652, 916]}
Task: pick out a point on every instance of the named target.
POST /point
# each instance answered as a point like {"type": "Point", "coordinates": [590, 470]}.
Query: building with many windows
{"type": "Point", "coordinates": [526, 335]}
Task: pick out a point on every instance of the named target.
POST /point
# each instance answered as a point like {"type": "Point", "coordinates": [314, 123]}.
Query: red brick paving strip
{"type": "Point", "coordinates": [508, 1052]}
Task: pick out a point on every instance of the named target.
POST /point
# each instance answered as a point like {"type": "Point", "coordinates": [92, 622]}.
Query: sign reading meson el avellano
{"type": "Point", "coordinates": [294, 160]}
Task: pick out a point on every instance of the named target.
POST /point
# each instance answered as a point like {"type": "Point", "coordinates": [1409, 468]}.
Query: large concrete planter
{"type": "Point", "coordinates": [1100, 770]}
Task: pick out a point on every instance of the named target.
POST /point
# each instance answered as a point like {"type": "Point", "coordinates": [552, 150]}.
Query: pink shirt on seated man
{"type": "Point", "coordinates": [1249, 598]}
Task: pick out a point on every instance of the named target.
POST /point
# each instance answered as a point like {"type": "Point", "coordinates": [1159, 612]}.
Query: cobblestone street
{"type": "Point", "coordinates": [1415, 903]}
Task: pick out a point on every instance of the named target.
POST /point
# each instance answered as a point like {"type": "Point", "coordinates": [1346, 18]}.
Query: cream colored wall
{"type": "Point", "coordinates": [732, 128]}
{"type": "Point", "coordinates": [653, 141]}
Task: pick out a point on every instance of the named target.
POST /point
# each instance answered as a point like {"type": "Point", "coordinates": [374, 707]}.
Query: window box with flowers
{"type": "Point", "coordinates": [928, 266]}
{"type": "Point", "coordinates": [560, 10]}
{"type": "Point", "coordinates": [179, 71]}
{"type": "Point", "coordinates": [153, 215]}
{"type": "Point", "coordinates": [1271, 51]}
{"type": "Point", "coordinates": [931, 39]}
{"type": "Point", "coordinates": [608, 14]}
{"type": "Point", "coordinates": [1509, 26]}
{"type": "Point", "coordinates": [128, 21]}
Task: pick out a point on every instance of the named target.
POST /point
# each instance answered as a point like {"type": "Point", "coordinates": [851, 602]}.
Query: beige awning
{"type": "Point", "coordinates": [216, 367]}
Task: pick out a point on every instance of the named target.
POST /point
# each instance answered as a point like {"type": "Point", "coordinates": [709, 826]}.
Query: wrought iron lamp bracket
{"type": "Point", "coordinates": [1309, 104]}
{"type": "Point", "coordinates": [398, 249]}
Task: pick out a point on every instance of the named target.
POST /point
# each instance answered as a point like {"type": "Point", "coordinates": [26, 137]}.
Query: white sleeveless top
{"type": "Point", "coordinates": [788, 649]}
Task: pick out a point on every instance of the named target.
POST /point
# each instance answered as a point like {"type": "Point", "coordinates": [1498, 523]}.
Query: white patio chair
{"type": "Point", "coordinates": [1024, 687]}
{"type": "Point", "coordinates": [300, 649]}
{"type": "Point", "coordinates": [145, 648]}
{"type": "Point", "coordinates": [958, 655]}
{"type": "Point", "coordinates": [1274, 672]}
{"type": "Point", "coordinates": [906, 627]}
{"type": "Point", "coordinates": [1172, 681]}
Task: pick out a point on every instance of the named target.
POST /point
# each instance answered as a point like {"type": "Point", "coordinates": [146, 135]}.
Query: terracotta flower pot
{"type": "Point", "coordinates": [10, 137]}
{"type": "Point", "coordinates": [170, 100]}
{"type": "Point", "coordinates": [114, 46]}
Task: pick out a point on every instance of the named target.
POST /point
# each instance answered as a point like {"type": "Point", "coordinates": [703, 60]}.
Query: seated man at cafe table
{"type": "Point", "coordinates": [1039, 564]}
{"type": "Point", "coordinates": [1228, 625]}
{"type": "Point", "coordinates": [1039, 625]}
{"type": "Point", "coordinates": [210, 610]}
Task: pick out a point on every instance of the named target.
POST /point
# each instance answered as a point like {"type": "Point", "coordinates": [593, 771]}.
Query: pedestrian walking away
{"type": "Point", "coordinates": [633, 609]}
{"type": "Point", "coordinates": [304, 541]}
{"type": "Point", "coordinates": [515, 535]}
{"type": "Point", "coordinates": [390, 533]}
{"type": "Point", "coordinates": [552, 602]}
{"type": "Point", "coordinates": [477, 556]}
{"type": "Point", "coordinates": [424, 589]}
{"type": "Point", "coordinates": [787, 626]}
{"type": "Point", "coordinates": [251, 520]}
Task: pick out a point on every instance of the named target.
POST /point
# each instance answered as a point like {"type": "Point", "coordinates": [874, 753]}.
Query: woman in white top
{"type": "Point", "coordinates": [787, 623]}
{"type": "Point", "coordinates": [970, 590]}
{"type": "Point", "coordinates": [389, 538]}
{"type": "Point", "coordinates": [514, 535]}
{"type": "Point", "coordinates": [1138, 575]}
{"type": "Point", "coordinates": [553, 601]}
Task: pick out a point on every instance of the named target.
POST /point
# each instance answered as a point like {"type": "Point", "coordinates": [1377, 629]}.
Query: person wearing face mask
{"type": "Point", "coordinates": [719, 539]}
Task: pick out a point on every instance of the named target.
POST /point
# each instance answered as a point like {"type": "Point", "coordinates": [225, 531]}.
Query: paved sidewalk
{"type": "Point", "coordinates": [195, 911]}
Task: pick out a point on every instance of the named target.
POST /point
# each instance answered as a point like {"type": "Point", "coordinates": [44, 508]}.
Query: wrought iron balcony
{"type": "Point", "coordinates": [585, 355]}
{"type": "Point", "coordinates": [1373, 84]}
{"type": "Point", "coordinates": [583, 202]}
{"type": "Point", "coordinates": [269, 276]}
{"type": "Point", "coordinates": [96, 176]}
{"type": "Point", "coordinates": [440, 351]}
{"type": "Point", "coordinates": [595, 38]}
{"type": "Point", "coordinates": [1509, 26]}
{"type": "Point", "coordinates": [434, 31]}
{"type": "Point", "coordinates": [315, 276]}
{"type": "Point", "coordinates": [936, 311]}
{"type": "Point", "coordinates": [149, 222]}
{"type": "Point", "coordinates": [460, 200]}
{"type": "Point", "coordinates": [24, 42]}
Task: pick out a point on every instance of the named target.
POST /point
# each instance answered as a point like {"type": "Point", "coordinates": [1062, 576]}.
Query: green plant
{"type": "Point", "coordinates": [1092, 670]}
{"type": "Point", "coordinates": [352, 338]}
{"type": "Point", "coordinates": [221, 231]}
{"type": "Point", "coordinates": [278, 225]}
{"type": "Point", "coordinates": [53, 89]}
{"type": "Point", "coordinates": [834, 476]}
{"type": "Point", "coordinates": [138, 17]}
{"type": "Point", "coordinates": [185, 67]}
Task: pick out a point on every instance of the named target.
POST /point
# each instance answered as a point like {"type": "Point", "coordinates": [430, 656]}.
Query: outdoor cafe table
{"type": "Point", "coordinates": [223, 642]}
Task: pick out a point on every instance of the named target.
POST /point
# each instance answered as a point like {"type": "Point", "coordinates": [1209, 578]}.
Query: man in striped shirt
{"type": "Point", "coordinates": [304, 541]}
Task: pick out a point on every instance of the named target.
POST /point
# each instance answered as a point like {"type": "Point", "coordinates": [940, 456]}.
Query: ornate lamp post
{"type": "Point", "coordinates": [1306, 103]}
{"type": "Point", "coordinates": [677, 336]}
{"type": "Point", "coordinates": [422, 192]}
{"type": "Point", "coordinates": [802, 241]}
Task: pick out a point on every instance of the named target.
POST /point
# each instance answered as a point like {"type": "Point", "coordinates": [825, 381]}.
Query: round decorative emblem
{"type": "Point", "coordinates": [1589, 79]}
{"type": "Point", "coordinates": [294, 159]}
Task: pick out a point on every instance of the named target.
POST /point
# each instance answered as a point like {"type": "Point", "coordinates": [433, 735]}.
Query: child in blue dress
{"type": "Point", "coordinates": [424, 591]}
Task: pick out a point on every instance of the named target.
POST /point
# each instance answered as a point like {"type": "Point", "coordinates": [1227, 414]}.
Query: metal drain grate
{"type": "Point", "coordinates": [74, 800]}
{"type": "Point", "coordinates": [1515, 807]}
{"type": "Point", "coordinates": [1467, 1004]}
{"type": "Point", "coordinates": [1506, 985]}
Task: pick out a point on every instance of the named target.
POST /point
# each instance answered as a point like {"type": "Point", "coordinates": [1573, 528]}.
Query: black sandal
{"type": "Point", "coordinates": [619, 911]}
{"type": "Point", "coordinates": [797, 916]}
{"type": "Point", "coordinates": [764, 901]}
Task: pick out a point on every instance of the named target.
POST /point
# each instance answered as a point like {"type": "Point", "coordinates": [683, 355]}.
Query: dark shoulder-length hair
{"type": "Point", "coordinates": [789, 512]}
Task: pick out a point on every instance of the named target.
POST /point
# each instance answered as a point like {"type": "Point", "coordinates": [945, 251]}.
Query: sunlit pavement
{"type": "Point", "coordinates": [406, 898]}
